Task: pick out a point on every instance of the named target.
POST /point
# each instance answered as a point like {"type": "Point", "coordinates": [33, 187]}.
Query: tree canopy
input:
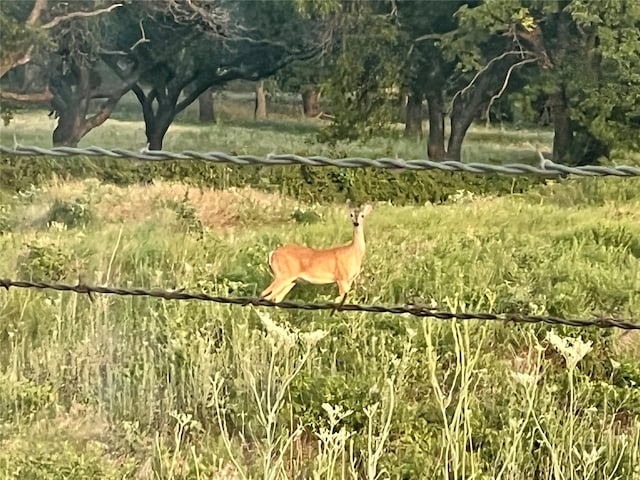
{"type": "Point", "coordinates": [464, 60]}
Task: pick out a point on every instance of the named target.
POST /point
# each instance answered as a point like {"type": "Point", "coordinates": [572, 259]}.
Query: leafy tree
{"type": "Point", "coordinates": [487, 53]}
{"type": "Point", "coordinates": [363, 81]}
{"type": "Point", "coordinates": [587, 66]}
{"type": "Point", "coordinates": [192, 46]}
{"type": "Point", "coordinates": [431, 49]}
{"type": "Point", "coordinates": [27, 24]}
{"type": "Point", "coordinates": [30, 30]}
{"type": "Point", "coordinates": [428, 73]}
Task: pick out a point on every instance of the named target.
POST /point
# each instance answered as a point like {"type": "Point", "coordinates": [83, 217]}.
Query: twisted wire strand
{"type": "Point", "coordinates": [547, 168]}
{"type": "Point", "coordinates": [415, 310]}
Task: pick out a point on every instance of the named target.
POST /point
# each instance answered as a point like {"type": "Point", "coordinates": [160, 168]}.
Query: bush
{"type": "Point", "coordinates": [72, 214]}
{"type": "Point", "coordinates": [46, 261]}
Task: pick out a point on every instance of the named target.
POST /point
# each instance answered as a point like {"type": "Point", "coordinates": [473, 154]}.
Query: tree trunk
{"type": "Point", "coordinates": [562, 129]}
{"type": "Point", "coordinates": [260, 110]}
{"type": "Point", "coordinates": [586, 148]}
{"type": "Point", "coordinates": [413, 119]}
{"type": "Point", "coordinates": [157, 122]}
{"type": "Point", "coordinates": [69, 130]}
{"type": "Point", "coordinates": [157, 129]}
{"type": "Point", "coordinates": [310, 102]}
{"type": "Point", "coordinates": [205, 103]}
{"type": "Point", "coordinates": [435, 143]}
{"type": "Point", "coordinates": [461, 119]}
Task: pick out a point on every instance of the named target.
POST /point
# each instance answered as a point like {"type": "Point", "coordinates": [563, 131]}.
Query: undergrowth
{"type": "Point", "coordinates": [117, 387]}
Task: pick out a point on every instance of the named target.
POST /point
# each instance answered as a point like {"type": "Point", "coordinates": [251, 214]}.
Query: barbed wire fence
{"type": "Point", "coordinates": [546, 168]}
{"type": "Point", "coordinates": [414, 310]}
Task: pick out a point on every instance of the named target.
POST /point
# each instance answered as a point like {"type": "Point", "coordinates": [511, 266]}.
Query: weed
{"type": "Point", "coordinates": [72, 214]}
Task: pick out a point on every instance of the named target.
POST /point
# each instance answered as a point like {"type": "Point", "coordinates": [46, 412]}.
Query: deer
{"type": "Point", "coordinates": [291, 263]}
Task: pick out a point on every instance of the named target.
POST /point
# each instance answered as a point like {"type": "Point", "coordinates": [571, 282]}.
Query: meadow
{"type": "Point", "coordinates": [122, 387]}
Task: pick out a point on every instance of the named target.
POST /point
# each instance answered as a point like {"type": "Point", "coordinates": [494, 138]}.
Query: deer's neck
{"type": "Point", "coordinates": [358, 239]}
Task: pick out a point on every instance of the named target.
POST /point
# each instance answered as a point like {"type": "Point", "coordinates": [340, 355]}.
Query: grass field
{"type": "Point", "coordinates": [282, 132]}
{"type": "Point", "coordinates": [122, 387]}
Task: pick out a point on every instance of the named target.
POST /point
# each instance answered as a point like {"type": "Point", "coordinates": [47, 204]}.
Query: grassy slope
{"type": "Point", "coordinates": [122, 385]}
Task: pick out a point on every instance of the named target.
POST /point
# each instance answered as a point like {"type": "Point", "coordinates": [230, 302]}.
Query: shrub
{"type": "Point", "coordinates": [72, 214]}
{"type": "Point", "coordinates": [44, 261]}
{"type": "Point", "coordinates": [309, 184]}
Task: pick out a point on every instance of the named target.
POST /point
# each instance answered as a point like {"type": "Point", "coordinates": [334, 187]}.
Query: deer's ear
{"type": "Point", "coordinates": [366, 209]}
{"type": "Point", "coordinates": [350, 204]}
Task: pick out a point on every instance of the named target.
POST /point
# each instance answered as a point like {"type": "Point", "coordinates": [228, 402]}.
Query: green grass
{"type": "Point", "coordinates": [177, 389]}
{"type": "Point", "coordinates": [123, 387]}
{"type": "Point", "coordinates": [285, 131]}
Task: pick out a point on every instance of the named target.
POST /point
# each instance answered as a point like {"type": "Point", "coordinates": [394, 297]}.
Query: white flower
{"type": "Point", "coordinates": [312, 338]}
{"type": "Point", "coordinates": [572, 349]}
{"type": "Point", "coordinates": [277, 335]}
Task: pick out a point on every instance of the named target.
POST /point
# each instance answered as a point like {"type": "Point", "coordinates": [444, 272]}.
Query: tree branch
{"type": "Point", "coordinates": [14, 59]}
{"type": "Point", "coordinates": [102, 116]}
{"type": "Point", "coordinates": [39, 97]}
{"type": "Point", "coordinates": [506, 83]}
{"type": "Point", "coordinates": [81, 14]}
{"type": "Point", "coordinates": [429, 36]}
{"type": "Point", "coordinates": [36, 11]}
{"type": "Point", "coordinates": [481, 71]}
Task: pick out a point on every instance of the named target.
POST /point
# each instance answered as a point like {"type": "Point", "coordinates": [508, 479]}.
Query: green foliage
{"type": "Point", "coordinates": [308, 184]}
{"type": "Point", "coordinates": [21, 400]}
{"type": "Point", "coordinates": [609, 100]}
{"type": "Point", "coordinates": [55, 460]}
{"type": "Point", "coordinates": [176, 380]}
{"type": "Point", "coordinates": [17, 37]}
{"type": "Point", "coordinates": [186, 214]}
{"type": "Point", "coordinates": [72, 214]}
{"type": "Point", "coordinates": [5, 220]}
{"type": "Point", "coordinates": [45, 261]}
{"type": "Point", "coordinates": [306, 216]}
{"type": "Point", "coordinates": [360, 86]}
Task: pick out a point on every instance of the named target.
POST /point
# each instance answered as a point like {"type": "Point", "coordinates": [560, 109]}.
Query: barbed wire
{"type": "Point", "coordinates": [547, 168]}
{"type": "Point", "coordinates": [415, 310]}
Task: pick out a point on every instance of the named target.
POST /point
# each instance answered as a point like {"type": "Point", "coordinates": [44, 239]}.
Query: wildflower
{"type": "Point", "coordinates": [572, 349]}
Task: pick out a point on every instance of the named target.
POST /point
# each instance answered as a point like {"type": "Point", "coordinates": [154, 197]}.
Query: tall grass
{"type": "Point", "coordinates": [115, 387]}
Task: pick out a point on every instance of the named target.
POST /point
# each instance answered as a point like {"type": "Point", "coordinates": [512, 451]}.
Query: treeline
{"type": "Point", "coordinates": [572, 64]}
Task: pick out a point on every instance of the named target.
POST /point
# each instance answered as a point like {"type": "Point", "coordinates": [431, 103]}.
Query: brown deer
{"type": "Point", "coordinates": [341, 265]}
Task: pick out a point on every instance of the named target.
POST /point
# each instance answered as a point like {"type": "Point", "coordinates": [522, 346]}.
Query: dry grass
{"type": "Point", "coordinates": [216, 209]}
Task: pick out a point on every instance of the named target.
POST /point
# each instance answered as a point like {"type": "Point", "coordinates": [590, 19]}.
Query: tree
{"type": "Point", "coordinates": [30, 30]}
{"type": "Point", "coordinates": [363, 72]}
{"type": "Point", "coordinates": [587, 63]}
{"type": "Point", "coordinates": [598, 81]}
{"type": "Point", "coordinates": [206, 112]}
{"type": "Point", "coordinates": [78, 78]}
{"type": "Point", "coordinates": [304, 78]}
{"type": "Point", "coordinates": [260, 108]}
{"type": "Point", "coordinates": [192, 46]}
{"type": "Point", "coordinates": [428, 74]}
{"type": "Point", "coordinates": [431, 49]}
{"type": "Point", "coordinates": [26, 25]}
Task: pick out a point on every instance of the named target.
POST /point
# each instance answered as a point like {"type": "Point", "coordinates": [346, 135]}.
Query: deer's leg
{"type": "Point", "coordinates": [273, 290]}
{"type": "Point", "coordinates": [267, 292]}
{"type": "Point", "coordinates": [343, 288]}
{"type": "Point", "coordinates": [284, 289]}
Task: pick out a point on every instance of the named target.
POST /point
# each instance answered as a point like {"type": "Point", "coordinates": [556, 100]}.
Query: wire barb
{"type": "Point", "coordinates": [548, 169]}
{"type": "Point", "coordinates": [415, 310]}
